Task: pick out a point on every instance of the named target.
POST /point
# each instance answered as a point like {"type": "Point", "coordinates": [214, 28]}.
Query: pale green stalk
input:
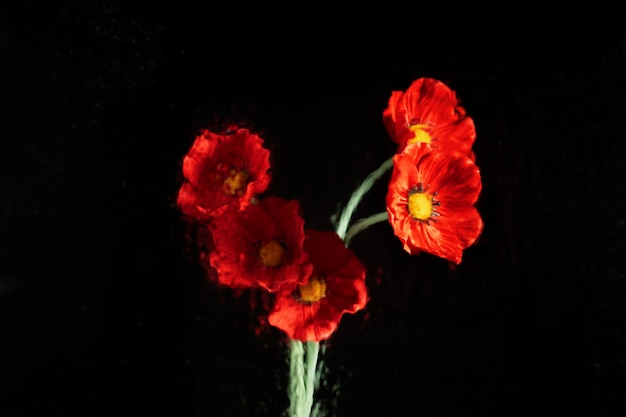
{"type": "Point", "coordinates": [357, 195]}
{"type": "Point", "coordinates": [303, 378]}
{"type": "Point", "coordinates": [363, 224]}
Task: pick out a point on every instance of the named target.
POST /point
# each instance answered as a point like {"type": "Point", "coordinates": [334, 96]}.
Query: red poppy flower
{"type": "Point", "coordinates": [311, 312]}
{"type": "Point", "coordinates": [431, 200]}
{"type": "Point", "coordinates": [429, 112]}
{"type": "Point", "coordinates": [261, 246]}
{"type": "Point", "coordinates": [223, 170]}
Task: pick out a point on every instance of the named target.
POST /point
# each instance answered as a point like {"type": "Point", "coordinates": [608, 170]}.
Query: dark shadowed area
{"type": "Point", "coordinates": [105, 309]}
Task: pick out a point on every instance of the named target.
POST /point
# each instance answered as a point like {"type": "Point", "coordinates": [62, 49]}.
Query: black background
{"type": "Point", "coordinates": [104, 311]}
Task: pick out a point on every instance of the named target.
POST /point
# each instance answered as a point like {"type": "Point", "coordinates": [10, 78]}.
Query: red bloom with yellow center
{"type": "Point", "coordinates": [261, 246]}
{"type": "Point", "coordinates": [429, 112]}
{"type": "Point", "coordinates": [311, 312]}
{"type": "Point", "coordinates": [221, 171]}
{"type": "Point", "coordinates": [431, 200]}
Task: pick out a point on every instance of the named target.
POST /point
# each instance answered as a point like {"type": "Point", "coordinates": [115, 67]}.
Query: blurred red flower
{"type": "Point", "coordinates": [261, 246]}
{"type": "Point", "coordinates": [221, 170]}
{"type": "Point", "coordinates": [311, 312]}
{"type": "Point", "coordinates": [431, 200]}
{"type": "Point", "coordinates": [429, 112]}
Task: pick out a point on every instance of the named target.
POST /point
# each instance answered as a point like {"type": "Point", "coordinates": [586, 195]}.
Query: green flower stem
{"type": "Point", "coordinates": [357, 195]}
{"type": "Point", "coordinates": [363, 224]}
{"type": "Point", "coordinates": [303, 377]}
{"type": "Point", "coordinates": [312, 351]}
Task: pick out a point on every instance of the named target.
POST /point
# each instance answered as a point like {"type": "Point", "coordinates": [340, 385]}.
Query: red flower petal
{"type": "Point", "coordinates": [239, 237]}
{"type": "Point", "coordinates": [327, 251]}
{"type": "Point", "coordinates": [455, 223]}
{"type": "Point", "coordinates": [346, 292]}
{"type": "Point", "coordinates": [215, 162]}
{"type": "Point", "coordinates": [391, 113]}
{"type": "Point", "coordinates": [433, 105]}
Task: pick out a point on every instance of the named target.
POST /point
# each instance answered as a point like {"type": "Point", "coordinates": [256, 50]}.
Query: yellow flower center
{"type": "Point", "coordinates": [313, 291]}
{"type": "Point", "coordinates": [421, 135]}
{"type": "Point", "coordinates": [420, 205]}
{"type": "Point", "coordinates": [271, 254]}
{"type": "Point", "coordinates": [235, 183]}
